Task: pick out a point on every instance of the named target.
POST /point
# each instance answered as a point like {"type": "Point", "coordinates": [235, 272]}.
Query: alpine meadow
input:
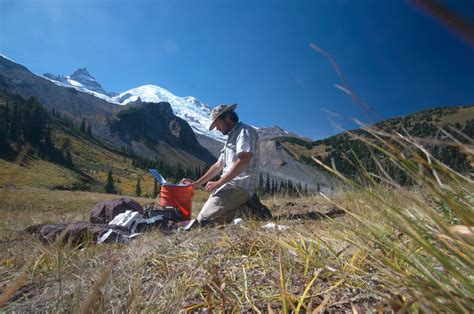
{"type": "Point", "coordinates": [376, 216]}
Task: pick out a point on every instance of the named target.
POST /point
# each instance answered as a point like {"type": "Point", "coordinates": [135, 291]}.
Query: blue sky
{"type": "Point", "coordinates": [256, 53]}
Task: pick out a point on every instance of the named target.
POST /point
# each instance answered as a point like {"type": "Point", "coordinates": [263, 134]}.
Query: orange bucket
{"type": "Point", "coordinates": [179, 196]}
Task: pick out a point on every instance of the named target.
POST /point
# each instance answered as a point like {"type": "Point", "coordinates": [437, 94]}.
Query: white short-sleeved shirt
{"type": "Point", "coordinates": [242, 138]}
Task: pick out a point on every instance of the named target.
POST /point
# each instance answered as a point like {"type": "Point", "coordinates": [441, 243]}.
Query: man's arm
{"type": "Point", "coordinates": [213, 171]}
{"type": "Point", "coordinates": [239, 166]}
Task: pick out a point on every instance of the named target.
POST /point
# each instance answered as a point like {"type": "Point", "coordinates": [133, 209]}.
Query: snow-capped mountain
{"type": "Point", "coordinates": [193, 111]}
{"type": "Point", "coordinates": [188, 108]}
{"type": "Point", "coordinates": [82, 81]}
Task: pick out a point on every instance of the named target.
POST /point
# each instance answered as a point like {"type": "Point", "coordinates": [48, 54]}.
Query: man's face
{"type": "Point", "coordinates": [224, 125]}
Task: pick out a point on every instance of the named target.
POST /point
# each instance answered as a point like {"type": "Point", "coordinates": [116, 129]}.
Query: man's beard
{"type": "Point", "coordinates": [227, 129]}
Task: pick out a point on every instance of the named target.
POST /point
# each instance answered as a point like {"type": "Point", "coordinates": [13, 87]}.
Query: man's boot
{"type": "Point", "coordinates": [256, 209]}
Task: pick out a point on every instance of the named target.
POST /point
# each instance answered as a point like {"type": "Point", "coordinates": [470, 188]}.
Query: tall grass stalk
{"type": "Point", "coordinates": [95, 298]}
{"type": "Point", "coordinates": [407, 240]}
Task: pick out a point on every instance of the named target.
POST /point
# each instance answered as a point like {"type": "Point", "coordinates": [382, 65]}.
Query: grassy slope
{"type": "Point", "coordinates": [37, 173]}
{"type": "Point", "coordinates": [91, 157]}
{"type": "Point", "coordinates": [437, 116]}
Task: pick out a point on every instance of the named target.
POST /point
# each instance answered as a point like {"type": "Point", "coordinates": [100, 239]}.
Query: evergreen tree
{"type": "Point", "coordinates": [156, 189]}
{"type": "Point", "coordinates": [89, 130]}
{"type": "Point", "coordinates": [48, 141]}
{"type": "Point", "coordinates": [138, 188]}
{"type": "Point", "coordinates": [110, 186]}
{"type": "Point", "coordinates": [69, 158]}
{"type": "Point", "coordinates": [281, 189]}
{"type": "Point", "coordinates": [4, 136]}
{"type": "Point", "coordinates": [260, 184]}
{"type": "Point", "coordinates": [83, 125]}
{"type": "Point", "coordinates": [14, 124]}
{"type": "Point", "coordinates": [290, 189]}
{"type": "Point", "coordinates": [66, 150]}
{"type": "Point", "coordinates": [299, 189]}
{"type": "Point", "coordinates": [66, 144]}
{"type": "Point", "coordinates": [267, 185]}
{"type": "Point", "coordinates": [284, 188]}
{"type": "Point", "coordinates": [35, 123]}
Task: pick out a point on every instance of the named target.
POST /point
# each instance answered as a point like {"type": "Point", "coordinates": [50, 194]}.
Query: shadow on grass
{"type": "Point", "coordinates": [333, 213]}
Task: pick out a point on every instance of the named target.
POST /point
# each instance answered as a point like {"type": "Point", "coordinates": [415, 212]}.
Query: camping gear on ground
{"type": "Point", "coordinates": [175, 195]}
{"type": "Point", "coordinates": [170, 213]}
{"type": "Point", "coordinates": [134, 223]}
{"type": "Point", "coordinates": [74, 233]}
{"type": "Point", "coordinates": [137, 218]}
{"type": "Point", "coordinates": [121, 227]}
{"type": "Point", "coordinates": [106, 211]}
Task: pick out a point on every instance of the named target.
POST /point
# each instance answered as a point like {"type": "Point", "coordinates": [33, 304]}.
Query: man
{"type": "Point", "coordinates": [238, 164]}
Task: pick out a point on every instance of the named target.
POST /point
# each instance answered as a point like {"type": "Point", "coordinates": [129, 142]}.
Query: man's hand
{"type": "Point", "coordinates": [187, 181]}
{"type": "Point", "coordinates": [213, 185]}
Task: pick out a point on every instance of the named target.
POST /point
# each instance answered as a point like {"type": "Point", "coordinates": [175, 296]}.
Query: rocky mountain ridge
{"type": "Point", "coordinates": [80, 79]}
{"type": "Point", "coordinates": [102, 116]}
{"type": "Point", "coordinates": [120, 125]}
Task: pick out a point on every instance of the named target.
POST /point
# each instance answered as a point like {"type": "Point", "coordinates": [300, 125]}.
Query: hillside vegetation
{"type": "Point", "coordinates": [436, 129]}
{"type": "Point", "coordinates": [55, 154]}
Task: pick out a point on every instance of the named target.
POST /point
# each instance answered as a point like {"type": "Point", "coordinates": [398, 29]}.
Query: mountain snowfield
{"type": "Point", "coordinates": [188, 108]}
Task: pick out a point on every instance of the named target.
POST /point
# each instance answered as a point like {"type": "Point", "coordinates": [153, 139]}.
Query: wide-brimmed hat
{"type": "Point", "coordinates": [218, 111]}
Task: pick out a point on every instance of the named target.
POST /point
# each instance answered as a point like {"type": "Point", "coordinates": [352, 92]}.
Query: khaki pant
{"type": "Point", "coordinates": [222, 206]}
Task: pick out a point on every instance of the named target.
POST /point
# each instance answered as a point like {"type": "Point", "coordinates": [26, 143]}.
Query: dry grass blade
{"type": "Point", "coordinates": [306, 290]}
{"type": "Point", "coordinates": [246, 291]}
{"type": "Point", "coordinates": [135, 295]}
{"type": "Point", "coordinates": [356, 309]}
{"type": "Point", "coordinates": [13, 288]}
{"type": "Point", "coordinates": [283, 294]}
{"type": "Point", "coordinates": [92, 302]}
{"type": "Point", "coordinates": [18, 282]}
{"type": "Point", "coordinates": [344, 86]}
{"type": "Point", "coordinates": [320, 308]}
